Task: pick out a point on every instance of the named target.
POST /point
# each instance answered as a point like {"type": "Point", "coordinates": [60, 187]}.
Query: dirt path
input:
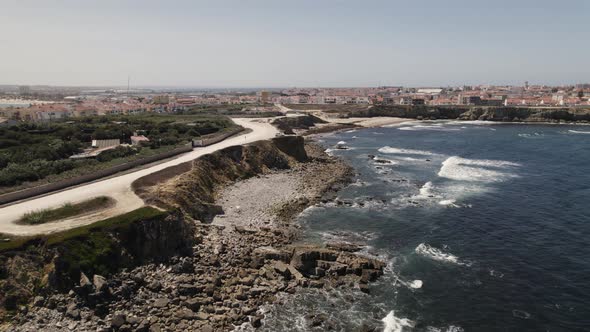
{"type": "Point", "coordinates": [118, 188]}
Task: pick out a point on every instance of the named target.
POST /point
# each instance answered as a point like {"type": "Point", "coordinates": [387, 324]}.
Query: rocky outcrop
{"type": "Point", "coordinates": [515, 114]}
{"type": "Point", "coordinates": [287, 124]}
{"type": "Point", "coordinates": [229, 275]}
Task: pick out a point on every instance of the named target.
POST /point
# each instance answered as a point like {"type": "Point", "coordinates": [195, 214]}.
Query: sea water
{"type": "Point", "coordinates": [485, 227]}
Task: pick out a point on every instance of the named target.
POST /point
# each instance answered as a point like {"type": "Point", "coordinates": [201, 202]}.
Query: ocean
{"type": "Point", "coordinates": [485, 227]}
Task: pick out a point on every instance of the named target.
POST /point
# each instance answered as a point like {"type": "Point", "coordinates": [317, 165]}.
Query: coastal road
{"type": "Point", "coordinates": [118, 188]}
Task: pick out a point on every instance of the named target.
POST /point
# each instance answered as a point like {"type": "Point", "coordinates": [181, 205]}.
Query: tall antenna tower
{"type": "Point", "coordinates": [128, 79]}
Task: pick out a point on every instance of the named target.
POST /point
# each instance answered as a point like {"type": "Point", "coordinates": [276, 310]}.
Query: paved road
{"type": "Point", "coordinates": [119, 188]}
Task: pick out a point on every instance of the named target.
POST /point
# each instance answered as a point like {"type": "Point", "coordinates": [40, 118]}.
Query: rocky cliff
{"type": "Point", "coordinates": [190, 188]}
{"type": "Point", "coordinates": [45, 265]}
{"type": "Point", "coordinates": [517, 114]}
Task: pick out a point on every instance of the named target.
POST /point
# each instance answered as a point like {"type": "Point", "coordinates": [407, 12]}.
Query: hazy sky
{"type": "Point", "coordinates": [279, 43]}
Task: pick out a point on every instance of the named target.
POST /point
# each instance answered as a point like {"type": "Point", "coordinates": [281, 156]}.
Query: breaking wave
{"type": "Point", "coordinates": [578, 132]}
{"type": "Point", "coordinates": [448, 202]}
{"type": "Point", "coordinates": [426, 192]}
{"type": "Point", "coordinates": [388, 149]}
{"type": "Point", "coordinates": [478, 170]}
{"type": "Point", "coordinates": [533, 135]}
{"type": "Point", "coordinates": [437, 254]}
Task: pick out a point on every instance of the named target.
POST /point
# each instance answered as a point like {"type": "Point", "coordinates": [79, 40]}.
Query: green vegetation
{"type": "Point", "coordinates": [247, 110]}
{"type": "Point", "coordinates": [36, 153]}
{"type": "Point", "coordinates": [118, 222]}
{"type": "Point", "coordinates": [66, 211]}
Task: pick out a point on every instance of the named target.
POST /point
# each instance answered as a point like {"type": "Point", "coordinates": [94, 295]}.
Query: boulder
{"type": "Point", "coordinates": [118, 320]}
{"type": "Point", "coordinates": [343, 246]}
{"type": "Point", "coordinates": [161, 303]}
{"type": "Point", "coordinates": [272, 254]}
{"type": "Point", "coordinates": [72, 311]}
{"type": "Point", "coordinates": [282, 269]}
{"type": "Point", "coordinates": [100, 283]}
{"type": "Point", "coordinates": [38, 301]}
{"type": "Point", "coordinates": [305, 259]}
{"type": "Point", "coordinates": [193, 304]}
{"type": "Point", "coordinates": [332, 268]}
{"type": "Point", "coordinates": [185, 314]}
{"type": "Point", "coordinates": [85, 282]}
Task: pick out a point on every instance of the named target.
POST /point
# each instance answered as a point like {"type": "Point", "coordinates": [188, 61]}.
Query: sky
{"type": "Point", "coordinates": [296, 43]}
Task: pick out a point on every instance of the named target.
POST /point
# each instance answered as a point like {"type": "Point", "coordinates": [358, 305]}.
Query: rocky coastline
{"type": "Point", "coordinates": [239, 257]}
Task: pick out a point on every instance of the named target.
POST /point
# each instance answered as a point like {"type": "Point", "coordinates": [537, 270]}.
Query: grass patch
{"type": "Point", "coordinates": [144, 213]}
{"type": "Point", "coordinates": [141, 214]}
{"type": "Point", "coordinates": [8, 242]}
{"type": "Point", "coordinates": [66, 211]}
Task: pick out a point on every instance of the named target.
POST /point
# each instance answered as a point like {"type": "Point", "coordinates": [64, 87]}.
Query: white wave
{"type": "Point", "coordinates": [533, 135]}
{"type": "Point", "coordinates": [450, 328]}
{"type": "Point", "coordinates": [416, 284]}
{"type": "Point", "coordinates": [410, 159]}
{"type": "Point", "coordinates": [521, 314]}
{"type": "Point", "coordinates": [348, 237]}
{"type": "Point", "coordinates": [448, 202]}
{"type": "Point", "coordinates": [426, 192]}
{"type": "Point", "coordinates": [438, 127]}
{"type": "Point", "coordinates": [436, 254]}
{"type": "Point", "coordinates": [359, 183]}
{"type": "Point", "coordinates": [394, 324]}
{"type": "Point", "coordinates": [578, 132]}
{"type": "Point", "coordinates": [341, 143]}
{"type": "Point", "coordinates": [495, 273]}
{"type": "Point", "coordinates": [478, 170]}
{"type": "Point", "coordinates": [388, 149]}
{"type": "Point", "coordinates": [473, 122]}
{"type": "Point", "coordinates": [454, 328]}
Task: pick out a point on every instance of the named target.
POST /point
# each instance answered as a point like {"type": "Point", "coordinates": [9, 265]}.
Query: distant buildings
{"type": "Point", "coordinates": [105, 143]}
{"type": "Point", "coordinates": [24, 90]}
{"type": "Point", "coordinates": [139, 140]}
{"type": "Point", "coordinates": [82, 103]}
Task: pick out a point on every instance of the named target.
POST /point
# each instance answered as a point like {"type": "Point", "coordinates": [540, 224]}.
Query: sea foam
{"type": "Point", "coordinates": [394, 324]}
{"type": "Point", "coordinates": [438, 127]}
{"type": "Point", "coordinates": [436, 254]}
